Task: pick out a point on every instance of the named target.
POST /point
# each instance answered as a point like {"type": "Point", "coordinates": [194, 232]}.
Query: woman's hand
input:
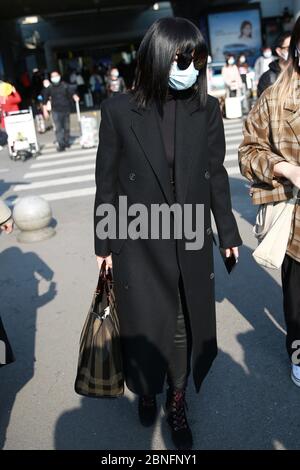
{"type": "Point", "coordinates": [230, 251]}
{"type": "Point", "coordinates": [289, 171]}
{"type": "Point", "coordinates": [108, 260]}
{"type": "Point", "coordinates": [8, 226]}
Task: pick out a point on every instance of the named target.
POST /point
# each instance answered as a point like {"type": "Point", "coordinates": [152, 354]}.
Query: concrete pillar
{"type": "Point", "coordinates": [296, 7]}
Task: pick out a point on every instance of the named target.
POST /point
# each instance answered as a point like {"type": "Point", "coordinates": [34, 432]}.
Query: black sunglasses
{"type": "Point", "coordinates": [184, 61]}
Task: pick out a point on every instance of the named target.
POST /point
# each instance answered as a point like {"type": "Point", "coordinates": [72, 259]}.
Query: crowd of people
{"type": "Point", "coordinates": [248, 83]}
{"type": "Point", "coordinates": [51, 95]}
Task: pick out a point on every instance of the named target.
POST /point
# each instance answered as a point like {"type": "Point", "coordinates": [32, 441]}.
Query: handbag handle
{"type": "Point", "coordinates": [105, 279]}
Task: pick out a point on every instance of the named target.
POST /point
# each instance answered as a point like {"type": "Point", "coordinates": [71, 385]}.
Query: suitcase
{"type": "Point", "coordinates": [88, 129]}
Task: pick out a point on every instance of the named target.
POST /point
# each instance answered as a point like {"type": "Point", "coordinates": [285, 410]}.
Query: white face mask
{"type": "Point", "coordinates": [114, 75]}
{"type": "Point", "coordinates": [284, 55]}
{"type": "Point", "coordinates": [242, 60]}
{"type": "Point", "coordinates": [267, 54]}
{"type": "Point", "coordinates": [231, 61]}
{"type": "Point", "coordinates": [182, 79]}
{"type": "Point", "coordinates": [55, 80]}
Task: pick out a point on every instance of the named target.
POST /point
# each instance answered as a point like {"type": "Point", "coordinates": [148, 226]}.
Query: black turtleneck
{"type": "Point", "coordinates": [167, 123]}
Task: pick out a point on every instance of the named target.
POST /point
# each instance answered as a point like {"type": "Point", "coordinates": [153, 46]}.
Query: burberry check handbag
{"type": "Point", "coordinates": [100, 371]}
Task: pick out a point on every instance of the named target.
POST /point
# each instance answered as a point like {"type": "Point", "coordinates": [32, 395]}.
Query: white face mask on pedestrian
{"type": "Point", "coordinates": [284, 55]}
{"type": "Point", "coordinates": [267, 54]}
{"type": "Point", "coordinates": [182, 79]}
{"type": "Point", "coordinates": [56, 79]}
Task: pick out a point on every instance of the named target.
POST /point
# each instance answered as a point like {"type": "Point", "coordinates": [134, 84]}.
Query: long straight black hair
{"type": "Point", "coordinates": [156, 53]}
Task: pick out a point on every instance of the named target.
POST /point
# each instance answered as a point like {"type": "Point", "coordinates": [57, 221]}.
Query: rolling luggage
{"type": "Point", "coordinates": [20, 128]}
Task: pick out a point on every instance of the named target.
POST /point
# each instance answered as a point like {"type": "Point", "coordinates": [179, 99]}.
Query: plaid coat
{"type": "Point", "coordinates": [5, 212]}
{"type": "Point", "coordinates": [263, 146]}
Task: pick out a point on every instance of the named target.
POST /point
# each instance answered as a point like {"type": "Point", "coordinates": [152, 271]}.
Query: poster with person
{"type": "Point", "coordinates": [235, 33]}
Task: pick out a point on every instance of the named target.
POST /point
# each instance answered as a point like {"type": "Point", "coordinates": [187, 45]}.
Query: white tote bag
{"type": "Point", "coordinates": [272, 229]}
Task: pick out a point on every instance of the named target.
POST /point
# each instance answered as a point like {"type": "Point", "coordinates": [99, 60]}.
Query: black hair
{"type": "Point", "coordinates": [245, 23]}
{"type": "Point", "coordinates": [281, 38]}
{"type": "Point", "coordinates": [156, 53]}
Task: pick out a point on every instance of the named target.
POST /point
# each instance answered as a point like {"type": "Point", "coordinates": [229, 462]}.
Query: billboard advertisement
{"type": "Point", "coordinates": [235, 32]}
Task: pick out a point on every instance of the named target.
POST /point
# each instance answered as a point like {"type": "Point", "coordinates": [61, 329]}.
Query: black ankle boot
{"type": "Point", "coordinates": [176, 418]}
{"type": "Point", "coordinates": [147, 409]}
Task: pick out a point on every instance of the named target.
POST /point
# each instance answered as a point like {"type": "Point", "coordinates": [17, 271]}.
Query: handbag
{"type": "Point", "coordinates": [272, 230]}
{"type": "Point", "coordinates": [6, 353]}
{"type": "Point", "coordinates": [100, 371]}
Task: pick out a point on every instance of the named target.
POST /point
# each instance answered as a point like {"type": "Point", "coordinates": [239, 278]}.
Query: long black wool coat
{"type": "Point", "coordinates": [131, 162]}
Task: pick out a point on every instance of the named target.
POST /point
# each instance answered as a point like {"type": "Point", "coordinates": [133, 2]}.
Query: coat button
{"type": "Point", "coordinates": [212, 275]}
{"type": "Point", "coordinates": [132, 176]}
{"type": "Point", "coordinates": [209, 231]}
{"type": "Point", "coordinates": [207, 175]}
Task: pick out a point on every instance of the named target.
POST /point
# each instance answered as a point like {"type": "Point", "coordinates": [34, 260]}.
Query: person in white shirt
{"type": "Point", "coordinates": [262, 63]}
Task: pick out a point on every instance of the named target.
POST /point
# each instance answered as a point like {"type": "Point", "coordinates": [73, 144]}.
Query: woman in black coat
{"type": "Point", "coordinates": [163, 143]}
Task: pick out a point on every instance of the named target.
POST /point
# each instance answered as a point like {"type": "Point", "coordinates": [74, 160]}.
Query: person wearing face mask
{"type": "Point", "coordinates": [231, 77]}
{"type": "Point", "coordinates": [269, 158]}
{"type": "Point", "coordinates": [276, 66]}
{"type": "Point", "coordinates": [61, 95]}
{"type": "Point", "coordinates": [115, 84]}
{"type": "Point", "coordinates": [262, 63]}
{"type": "Point", "coordinates": [163, 143]}
{"type": "Point", "coordinates": [209, 74]}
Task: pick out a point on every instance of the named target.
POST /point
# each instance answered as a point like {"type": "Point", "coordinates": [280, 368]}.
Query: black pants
{"type": "Point", "coordinates": [62, 127]}
{"type": "Point", "coordinates": [179, 365]}
{"type": "Point", "coordinates": [290, 276]}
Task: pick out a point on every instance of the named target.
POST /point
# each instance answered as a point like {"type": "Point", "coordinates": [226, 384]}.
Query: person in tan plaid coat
{"type": "Point", "coordinates": [6, 222]}
{"type": "Point", "coordinates": [269, 157]}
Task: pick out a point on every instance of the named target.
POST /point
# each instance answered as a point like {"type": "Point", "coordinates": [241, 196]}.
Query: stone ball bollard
{"type": "Point", "coordinates": [32, 215]}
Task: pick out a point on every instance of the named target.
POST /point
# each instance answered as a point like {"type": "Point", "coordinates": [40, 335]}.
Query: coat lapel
{"type": "Point", "coordinates": [189, 126]}
{"type": "Point", "coordinates": [189, 123]}
{"type": "Point", "coordinates": [145, 126]}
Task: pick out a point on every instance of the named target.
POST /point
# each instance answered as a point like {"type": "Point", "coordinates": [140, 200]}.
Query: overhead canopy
{"type": "Point", "coordinates": [20, 8]}
{"type": "Point", "coordinates": [11, 9]}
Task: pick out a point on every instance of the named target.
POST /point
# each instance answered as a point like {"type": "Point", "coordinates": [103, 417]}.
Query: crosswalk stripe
{"type": "Point", "coordinates": [233, 170]}
{"type": "Point", "coordinates": [57, 171]}
{"type": "Point", "coordinates": [234, 132]}
{"type": "Point", "coordinates": [62, 195]}
{"type": "Point", "coordinates": [231, 157]}
{"type": "Point", "coordinates": [233, 126]}
{"type": "Point", "coordinates": [69, 194]}
{"type": "Point", "coordinates": [48, 150]}
{"type": "Point", "coordinates": [65, 154]}
{"type": "Point", "coordinates": [55, 182]}
{"type": "Point", "coordinates": [64, 161]}
{"type": "Point", "coordinates": [232, 147]}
